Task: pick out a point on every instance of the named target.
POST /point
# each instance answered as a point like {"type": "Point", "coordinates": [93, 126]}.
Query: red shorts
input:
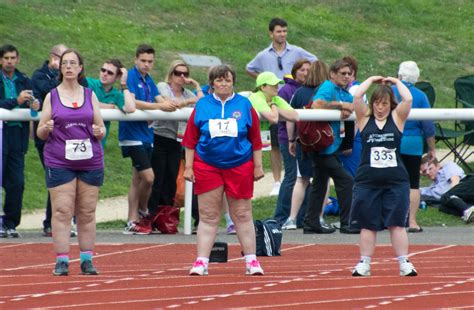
{"type": "Point", "coordinates": [237, 181]}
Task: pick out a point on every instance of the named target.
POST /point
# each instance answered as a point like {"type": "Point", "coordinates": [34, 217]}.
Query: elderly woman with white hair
{"type": "Point", "coordinates": [414, 136]}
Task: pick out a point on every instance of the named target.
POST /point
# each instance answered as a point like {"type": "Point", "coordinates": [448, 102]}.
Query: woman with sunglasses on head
{"type": "Point", "coordinates": [72, 126]}
{"type": "Point", "coordinates": [381, 195]}
{"type": "Point", "coordinates": [167, 150]}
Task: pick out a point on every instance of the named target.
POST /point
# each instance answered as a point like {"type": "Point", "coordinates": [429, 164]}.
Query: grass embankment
{"type": "Point", "coordinates": [380, 34]}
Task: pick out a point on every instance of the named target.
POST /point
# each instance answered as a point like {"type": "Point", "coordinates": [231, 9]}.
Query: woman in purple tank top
{"type": "Point", "coordinates": [72, 126]}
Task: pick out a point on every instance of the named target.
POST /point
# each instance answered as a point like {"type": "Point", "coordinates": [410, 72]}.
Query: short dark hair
{"type": "Point", "coordinates": [338, 65]}
{"type": "Point", "coordinates": [117, 64]}
{"type": "Point", "coordinates": [276, 21]}
{"type": "Point", "coordinates": [353, 63]}
{"type": "Point", "coordinates": [144, 49]}
{"type": "Point", "coordinates": [8, 48]}
{"type": "Point", "coordinates": [221, 71]}
{"type": "Point", "coordinates": [82, 74]}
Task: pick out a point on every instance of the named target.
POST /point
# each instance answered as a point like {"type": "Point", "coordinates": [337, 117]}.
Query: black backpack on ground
{"type": "Point", "coordinates": [269, 237]}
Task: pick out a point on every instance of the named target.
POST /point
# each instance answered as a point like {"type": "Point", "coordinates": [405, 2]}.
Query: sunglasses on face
{"type": "Point", "coordinates": [280, 65]}
{"type": "Point", "coordinates": [103, 70]}
{"type": "Point", "coordinates": [181, 73]}
{"type": "Point", "coordinates": [345, 73]}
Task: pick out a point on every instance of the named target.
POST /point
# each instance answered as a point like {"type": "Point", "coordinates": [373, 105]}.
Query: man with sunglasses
{"type": "Point", "coordinates": [331, 95]}
{"type": "Point", "coordinates": [278, 58]}
{"type": "Point", "coordinates": [109, 97]}
{"type": "Point", "coordinates": [44, 80]}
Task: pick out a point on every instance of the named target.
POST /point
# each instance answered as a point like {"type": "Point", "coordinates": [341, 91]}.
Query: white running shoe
{"type": "Point", "coordinates": [290, 224]}
{"type": "Point", "coordinates": [199, 269]}
{"type": "Point", "coordinates": [362, 269]}
{"type": "Point", "coordinates": [275, 189]}
{"type": "Point", "coordinates": [253, 268]}
{"type": "Point", "coordinates": [469, 215]}
{"type": "Point", "coordinates": [407, 269]}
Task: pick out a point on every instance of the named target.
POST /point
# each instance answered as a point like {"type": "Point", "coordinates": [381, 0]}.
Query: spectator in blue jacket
{"type": "Point", "coordinates": [414, 136]}
{"type": "Point", "coordinates": [15, 92]}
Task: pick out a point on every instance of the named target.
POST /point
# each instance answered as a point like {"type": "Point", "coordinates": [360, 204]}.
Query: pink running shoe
{"type": "Point", "coordinates": [253, 268]}
{"type": "Point", "coordinates": [198, 269]}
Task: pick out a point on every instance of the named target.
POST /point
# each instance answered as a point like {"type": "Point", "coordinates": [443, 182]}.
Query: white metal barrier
{"type": "Point", "coordinates": [183, 114]}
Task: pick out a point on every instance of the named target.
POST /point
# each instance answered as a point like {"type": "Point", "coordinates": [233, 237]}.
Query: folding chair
{"type": "Point", "coordinates": [452, 138]}
{"type": "Point", "coordinates": [464, 87]}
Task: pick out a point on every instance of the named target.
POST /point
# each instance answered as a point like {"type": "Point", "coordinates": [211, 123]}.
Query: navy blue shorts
{"type": "Point", "coordinates": [59, 176]}
{"type": "Point", "coordinates": [140, 155]}
{"type": "Point", "coordinates": [378, 208]}
{"type": "Point", "coordinates": [304, 162]}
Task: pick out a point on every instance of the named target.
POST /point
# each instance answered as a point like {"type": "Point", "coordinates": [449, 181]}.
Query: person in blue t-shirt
{"type": "Point", "coordinates": [333, 95]}
{"type": "Point", "coordinates": [136, 137]}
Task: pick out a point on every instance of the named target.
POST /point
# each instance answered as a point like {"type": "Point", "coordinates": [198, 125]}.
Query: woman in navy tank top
{"type": "Point", "coordinates": [381, 195]}
{"type": "Point", "coordinates": [72, 126]}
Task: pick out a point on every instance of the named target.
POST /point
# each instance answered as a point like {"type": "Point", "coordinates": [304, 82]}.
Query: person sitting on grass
{"type": "Point", "coordinates": [450, 187]}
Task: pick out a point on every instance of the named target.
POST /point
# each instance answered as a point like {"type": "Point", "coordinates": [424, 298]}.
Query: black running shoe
{"type": "Point", "coordinates": [61, 269]}
{"type": "Point", "coordinates": [88, 269]}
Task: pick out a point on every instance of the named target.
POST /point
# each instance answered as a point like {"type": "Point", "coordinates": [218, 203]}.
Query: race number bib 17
{"type": "Point", "coordinates": [381, 157]}
{"type": "Point", "coordinates": [78, 149]}
{"type": "Point", "coordinates": [223, 127]}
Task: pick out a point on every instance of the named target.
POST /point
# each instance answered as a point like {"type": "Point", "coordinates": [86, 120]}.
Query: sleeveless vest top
{"type": "Point", "coordinates": [381, 165]}
{"type": "Point", "coordinates": [71, 144]}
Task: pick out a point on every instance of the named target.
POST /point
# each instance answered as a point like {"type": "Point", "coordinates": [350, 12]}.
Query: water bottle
{"type": "Point", "coordinates": [33, 113]}
{"type": "Point", "coordinates": [423, 205]}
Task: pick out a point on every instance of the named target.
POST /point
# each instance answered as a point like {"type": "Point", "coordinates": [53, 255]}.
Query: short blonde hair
{"type": "Point", "coordinates": [173, 66]}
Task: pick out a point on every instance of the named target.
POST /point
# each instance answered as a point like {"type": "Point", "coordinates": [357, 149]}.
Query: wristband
{"type": "Point", "coordinates": [291, 141]}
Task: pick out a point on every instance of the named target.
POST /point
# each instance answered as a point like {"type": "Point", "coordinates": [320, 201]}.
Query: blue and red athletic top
{"type": "Point", "coordinates": [223, 151]}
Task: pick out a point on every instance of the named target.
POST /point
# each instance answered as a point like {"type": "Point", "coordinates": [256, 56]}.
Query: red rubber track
{"type": "Point", "coordinates": [146, 276]}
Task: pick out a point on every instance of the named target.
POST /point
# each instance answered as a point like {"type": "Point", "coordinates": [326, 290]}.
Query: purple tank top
{"type": "Point", "coordinates": [71, 144]}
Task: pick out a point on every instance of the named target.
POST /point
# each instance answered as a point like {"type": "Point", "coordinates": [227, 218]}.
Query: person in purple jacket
{"type": "Point", "coordinates": [72, 126]}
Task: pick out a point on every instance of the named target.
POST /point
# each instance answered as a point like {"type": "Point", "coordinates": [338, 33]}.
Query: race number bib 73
{"type": "Point", "coordinates": [223, 127]}
{"type": "Point", "coordinates": [78, 149]}
{"type": "Point", "coordinates": [381, 157]}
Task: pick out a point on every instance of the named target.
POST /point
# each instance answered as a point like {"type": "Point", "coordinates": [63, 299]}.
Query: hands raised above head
{"type": "Point", "coordinates": [378, 79]}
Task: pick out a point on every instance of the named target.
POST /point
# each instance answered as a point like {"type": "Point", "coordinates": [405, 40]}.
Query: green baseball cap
{"type": "Point", "coordinates": [267, 78]}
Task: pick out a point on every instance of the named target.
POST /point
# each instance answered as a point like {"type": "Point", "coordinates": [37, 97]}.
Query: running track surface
{"type": "Point", "coordinates": [146, 276]}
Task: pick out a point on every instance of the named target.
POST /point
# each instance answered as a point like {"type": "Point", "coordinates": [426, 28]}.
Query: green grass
{"type": "Point", "coordinates": [380, 34]}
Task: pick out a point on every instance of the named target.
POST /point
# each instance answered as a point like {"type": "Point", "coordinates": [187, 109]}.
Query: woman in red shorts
{"type": "Point", "coordinates": [223, 155]}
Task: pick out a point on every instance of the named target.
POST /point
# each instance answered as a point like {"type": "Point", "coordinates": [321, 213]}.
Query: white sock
{"type": "Point", "coordinates": [249, 258]}
{"type": "Point", "coordinates": [402, 258]}
{"type": "Point", "coordinates": [365, 259]}
{"type": "Point", "coordinates": [205, 260]}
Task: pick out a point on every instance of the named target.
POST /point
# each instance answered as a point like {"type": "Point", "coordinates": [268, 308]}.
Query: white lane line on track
{"type": "Point", "coordinates": [96, 256]}
{"type": "Point", "coordinates": [15, 245]}
{"type": "Point", "coordinates": [136, 301]}
{"type": "Point", "coordinates": [432, 250]}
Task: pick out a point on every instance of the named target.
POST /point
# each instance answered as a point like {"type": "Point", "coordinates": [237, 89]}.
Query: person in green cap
{"type": "Point", "coordinates": [265, 99]}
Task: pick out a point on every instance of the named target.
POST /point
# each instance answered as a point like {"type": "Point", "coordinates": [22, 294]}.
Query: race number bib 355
{"type": "Point", "coordinates": [78, 149]}
{"type": "Point", "coordinates": [381, 157]}
{"type": "Point", "coordinates": [223, 127]}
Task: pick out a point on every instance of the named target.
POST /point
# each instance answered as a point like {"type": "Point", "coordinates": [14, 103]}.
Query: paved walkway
{"type": "Point", "coordinates": [117, 208]}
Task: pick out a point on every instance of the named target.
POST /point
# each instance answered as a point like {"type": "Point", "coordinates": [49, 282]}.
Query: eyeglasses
{"type": "Point", "coordinates": [181, 73]}
{"type": "Point", "coordinates": [69, 62]}
{"type": "Point", "coordinates": [345, 73]}
{"type": "Point", "coordinates": [280, 65]}
{"type": "Point", "coordinates": [103, 70]}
